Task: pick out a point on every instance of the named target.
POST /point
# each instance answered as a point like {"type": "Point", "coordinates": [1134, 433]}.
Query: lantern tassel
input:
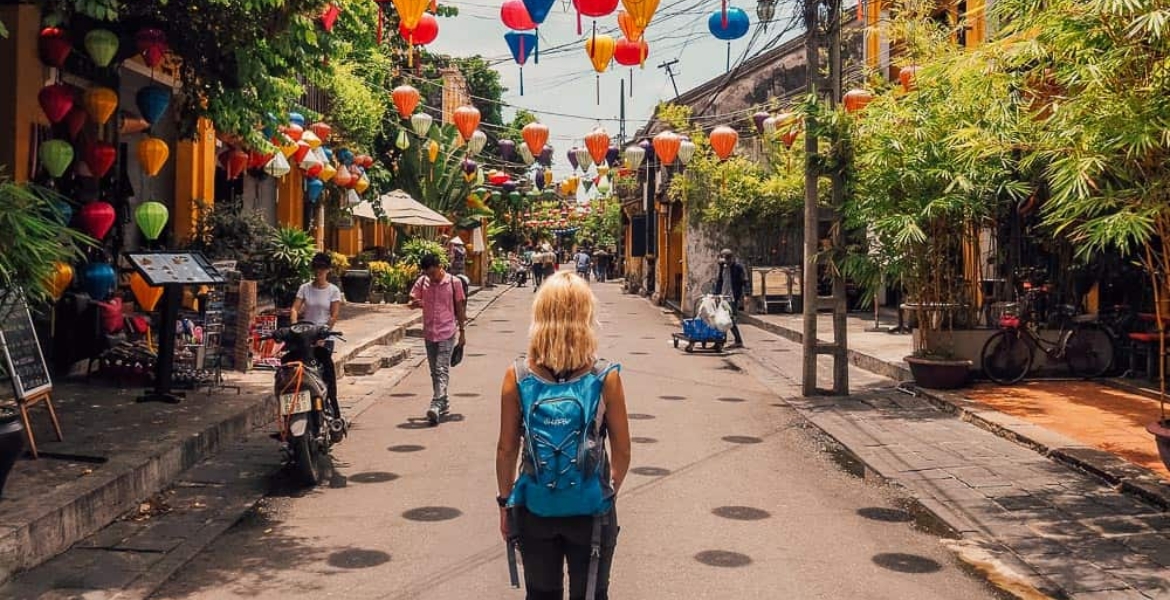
{"type": "Point", "coordinates": [599, 89]}
{"type": "Point", "coordinates": [724, 14]}
{"type": "Point", "coordinates": [729, 56]}
{"type": "Point", "coordinates": [535, 48]}
{"type": "Point", "coordinates": [631, 82]}
{"type": "Point", "coordinates": [521, 80]}
{"type": "Point", "coordinates": [578, 22]}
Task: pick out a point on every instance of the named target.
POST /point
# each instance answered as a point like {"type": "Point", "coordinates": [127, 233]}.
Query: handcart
{"type": "Point", "coordinates": [697, 331]}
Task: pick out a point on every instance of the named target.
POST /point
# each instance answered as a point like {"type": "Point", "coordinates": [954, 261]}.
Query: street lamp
{"type": "Point", "coordinates": [766, 10]}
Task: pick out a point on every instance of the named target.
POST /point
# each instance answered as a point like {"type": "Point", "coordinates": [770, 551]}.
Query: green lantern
{"type": "Point", "coordinates": [403, 141]}
{"type": "Point", "coordinates": [102, 46]}
{"type": "Point", "coordinates": [56, 155]}
{"type": "Point", "coordinates": [151, 218]}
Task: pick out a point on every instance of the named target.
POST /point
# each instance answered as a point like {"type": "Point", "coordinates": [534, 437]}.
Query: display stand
{"type": "Point", "coordinates": [172, 271]}
{"type": "Point", "coordinates": [24, 363]}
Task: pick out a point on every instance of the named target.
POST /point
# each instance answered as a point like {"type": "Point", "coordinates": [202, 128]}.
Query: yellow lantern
{"type": "Point", "coordinates": [146, 295]}
{"type": "Point", "coordinates": [311, 139]}
{"type": "Point", "coordinates": [433, 151]}
{"type": "Point", "coordinates": [328, 171]}
{"type": "Point", "coordinates": [600, 49]}
{"type": "Point", "coordinates": [59, 281]}
{"type": "Point", "coordinates": [153, 154]}
{"type": "Point", "coordinates": [100, 103]}
{"type": "Point", "coordinates": [602, 171]}
{"type": "Point", "coordinates": [363, 184]}
{"type": "Point", "coordinates": [287, 146]}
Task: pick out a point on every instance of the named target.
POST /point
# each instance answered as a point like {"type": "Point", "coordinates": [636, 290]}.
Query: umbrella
{"type": "Point", "coordinates": [401, 209]}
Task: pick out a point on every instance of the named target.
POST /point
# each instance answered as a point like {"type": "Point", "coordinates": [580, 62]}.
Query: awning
{"type": "Point", "coordinates": [401, 209]}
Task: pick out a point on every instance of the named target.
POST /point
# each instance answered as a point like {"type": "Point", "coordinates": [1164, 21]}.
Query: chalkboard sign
{"type": "Point", "coordinates": [22, 351]}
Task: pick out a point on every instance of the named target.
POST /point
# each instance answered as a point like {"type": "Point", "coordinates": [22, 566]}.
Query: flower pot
{"type": "Point", "coordinates": [401, 298]}
{"type": "Point", "coordinates": [355, 284]}
{"type": "Point", "coordinates": [377, 297]}
{"type": "Point", "coordinates": [939, 374]}
{"type": "Point", "coordinates": [1161, 432]}
{"type": "Point", "coordinates": [11, 442]}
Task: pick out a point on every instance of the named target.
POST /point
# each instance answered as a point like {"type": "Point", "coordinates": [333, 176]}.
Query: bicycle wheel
{"type": "Point", "coordinates": [1089, 351]}
{"type": "Point", "coordinates": [1007, 357]}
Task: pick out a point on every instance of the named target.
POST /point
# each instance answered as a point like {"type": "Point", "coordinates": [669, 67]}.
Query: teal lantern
{"type": "Point", "coordinates": [56, 155]}
{"type": "Point", "coordinates": [151, 218]}
{"type": "Point", "coordinates": [102, 46]}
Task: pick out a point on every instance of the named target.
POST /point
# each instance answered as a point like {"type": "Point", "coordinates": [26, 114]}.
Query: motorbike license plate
{"type": "Point", "coordinates": [291, 404]}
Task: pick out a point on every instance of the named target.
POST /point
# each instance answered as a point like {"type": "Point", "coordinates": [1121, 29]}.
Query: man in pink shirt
{"type": "Point", "coordinates": [444, 305]}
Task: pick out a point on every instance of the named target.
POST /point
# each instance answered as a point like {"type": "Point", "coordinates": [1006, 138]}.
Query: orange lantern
{"type": "Point", "coordinates": [535, 136]}
{"type": "Point", "coordinates": [466, 121]}
{"type": "Point", "coordinates": [597, 141]}
{"type": "Point", "coordinates": [410, 12]}
{"type": "Point", "coordinates": [343, 177]}
{"type": "Point", "coordinates": [146, 295]}
{"type": "Point", "coordinates": [640, 11]}
{"type": "Point", "coordinates": [906, 76]}
{"type": "Point", "coordinates": [857, 99]}
{"type": "Point", "coordinates": [293, 131]}
{"type": "Point", "coordinates": [666, 145]}
{"type": "Point", "coordinates": [629, 26]}
{"type": "Point", "coordinates": [100, 103]}
{"type": "Point", "coordinates": [321, 130]}
{"type": "Point", "coordinates": [723, 141]}
{"type": "Point", "coordinates": [60, 279]}
{"type": "Point", "coordinates": [406, 98]}
{"type": "Point", "coordinates": [153, 154]}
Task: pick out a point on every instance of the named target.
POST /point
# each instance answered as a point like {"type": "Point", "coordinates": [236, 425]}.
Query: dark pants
{"type": "Point", "coordinates": [537, 275]}
{"type": "Point", "coordinates": [548, 544]}
{"type": "Point", "coordinates": [735, 308]}
{"type": "Point", "coordinates": [324, 356]}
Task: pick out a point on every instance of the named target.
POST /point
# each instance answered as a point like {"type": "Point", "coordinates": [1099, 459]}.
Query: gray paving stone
{"type": "Point", "coordinates": [1117, 526]}
{"type": "Point", "coordinates": [1110, 595]}
{"type": "Point", "coordinates": [1079, 576]}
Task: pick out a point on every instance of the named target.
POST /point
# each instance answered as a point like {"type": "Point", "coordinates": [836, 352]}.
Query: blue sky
{"type": "Point", "coordinates": [560, 90]}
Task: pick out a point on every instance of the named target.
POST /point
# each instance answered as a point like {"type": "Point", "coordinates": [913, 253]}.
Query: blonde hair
{"type": "Point", "coordinates": [563, 334]}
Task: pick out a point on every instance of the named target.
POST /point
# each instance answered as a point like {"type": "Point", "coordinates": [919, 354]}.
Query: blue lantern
{"type": "Point", "coordinates": [328, 153]}
{"type": "Point", "coordinates": [313, 190]}
{"type": "Point", "coordinates": [730, 25]}
{"type": "Point", "coordinates": [99, 280]}
{"type": "Point", "coordinates": [269, 126]}
{"type": "Point", "coordinates": [64, 211]}
{"type": "Point", "coordinates": [521, 45]}
{"type": "Point", "coordinates": [153, 101]}
{"type": "Point", "coordinates": [345, 155]}
{"type": "Point", "coordinates": [297, 119]}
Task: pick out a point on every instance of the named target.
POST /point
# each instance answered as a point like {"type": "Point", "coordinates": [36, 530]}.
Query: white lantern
{"type": "Point", "coordinates": [584, 159]}
{"type": "Point", "coordinates": [278, 167]}
{"type": "Point", "coordinates": [686, 151]}
{"type": "Point", "coordinates": [421, 123]}
{"type": "Point", "coordinates": [525, 154]}
{"type": "Point", "coordinates": [477, 142]}
{"type": "Point", "coordinates": [634, 156]}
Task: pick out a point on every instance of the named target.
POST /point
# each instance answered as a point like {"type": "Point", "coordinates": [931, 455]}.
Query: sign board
{"type": "Point", "coordinates": [23, 359]}
{"type": "Point", "coordinates": [265, 353]}
{"type": "Point", "coordinates": [183, 268]}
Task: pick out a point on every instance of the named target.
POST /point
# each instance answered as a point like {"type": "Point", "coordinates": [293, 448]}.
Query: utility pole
{"type": "Point", "coordinates": [812, 347]}
{"type": "Point", "coordinates": [667, 65]}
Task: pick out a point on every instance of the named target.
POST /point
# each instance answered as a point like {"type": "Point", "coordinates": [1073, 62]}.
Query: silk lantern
{"type": "Point", "coordinates": [293, 131]}
{"type": "Point", "coordinates": [723, 141]}
{"type": "Point", "coordinates": [613, 156]}
{"type": "Point", "coordinates": [153, 154]}
{"type": "Point", "coordinates": [54, 47]}
{"type": "Point", "coordinates": [535, 137]}
{"type": "Point", "coordinates": [302, 151]}
{"type": "Point", "coordinates": [146, 295]}
{"type": "Point", "coordinates": [521, 45]}
{"type": "Point", "coordinates": [152, 101]}
{"type": "Point", "coordinates": [584, 158]}
{"type": "Point", "coordinates": [257, 158]}
{"type": "Point", "coordinates": [515, 16]}
{"type": "Point", "coordinates": [600, 49]}
{"type": "Point", "coordinates": [507, 149]}
{"type": "Point", "coordinates": [768, 127]}
{"type": "Point", "coordinates": [631, 53]}
{"type": "Point", "coordinates": [56, 100]}
{"type": "Point", "coordinates": [686, 151]}
{"type": "Point", "coordinates": [410, 12]}
{"type": "Point", "coordinates": [129, 124]}
{"type": "Point", "coordinates": [102, 46]}
{"type": "Point", "coordinates": [99, 157]}
{"type": "Point", "coordinates": [313, 189]}
{"type": "Point", "coordinates": [593, 8]}
{"type": "Point", "coordinates": [629, 27]}
{"type": "Point", "coordinates": [406, 99]}
{"type": "Point", "coordinates": [151, 44]}
{"type": "Point", "coordinates": [597, 141]}
{"type": "Point", "coordinates": [424, 33]}
{"type": "Point", "coordinates": [466, 120]}
{"type": "Point", "coordinates": [421, 123]}
{"type": "Point", "coordinates": [296, 118]}
{"type": "Point", "coordinates": [526, 155]}
{"type": "Point", "coordinates": [278, 167]}
{"type": "Point", "coordinates": [321, 130]}
{"type": "Point", "coordinates": [363, 184]}
{"type": "Point", "coordinates": [857, 99]}
{"type": "Point", "coordinates": [546, 156]}
{"type": "Point", "coordinates": [477, 142]}
{"type": "Point", "coordinates": [343, 177]}
{"type": "Point", "coordinates": [59, 281]}
{"type": "Point", "coordinates": [498, 178]}
{"type": "Point", "coordinates": [731, 24]}
{"type": "Point", "coordinates": [312, 163]}
{"type": "Point", "coordinates": [151, 218]}
{"type": "Point", "coordinates": [433, 151]}
{"type": "Point", "coordinates": [640, 12]}
{"type": "Point", "coordinates": [666, 145]}
{"type": "Point", "coordinates": [906, 76]}
{"type": "Point", "coordinates": [56, 155]}
{"type": "Point", "coordinates": [234, 162]}
{"type": "Point", "coordinates": [311, 139]}
{"type": "Point", "coordinates": [99, 280]}
{"type": "Point", "coordinates": [286, 146]}
{"type": "Point", "coordinates": [758, 120]}
{"type": "Point", "coordinates": [634, 157]}
{"type": "Point", "coordinates": [572, 156]}
{"type": "Point", "coordinates": [538, 11]}
{"type": "Point", "coordinates": [75, 122]}
{"type": "Point", "coordinates": [100, 103]}
{"type": "Point", "coordinates": [96, 218]}
{"type": "Point", "coordinates": [328, 171]}
{"type": "Point", "coordinates": [329, 17]}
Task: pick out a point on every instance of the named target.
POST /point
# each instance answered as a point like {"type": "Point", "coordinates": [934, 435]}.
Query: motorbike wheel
{"type": "Point", "coordinates": [312, 463]}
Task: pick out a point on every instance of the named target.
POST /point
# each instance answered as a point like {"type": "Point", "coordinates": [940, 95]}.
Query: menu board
{"type": "Point", "coordinates": [186, 268]}
{"type": "Point", "coordinates": [22, 351]}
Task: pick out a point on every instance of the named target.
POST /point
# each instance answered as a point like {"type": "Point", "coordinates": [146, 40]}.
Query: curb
{"type": "Point", "coordinates": [1122, 475]}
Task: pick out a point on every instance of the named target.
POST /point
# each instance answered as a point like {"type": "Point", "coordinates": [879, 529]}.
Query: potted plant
{"type": "Point", "coordinates": [339, 264]}
{"type": "Point", "coordinates": [403, 277]}
{"type": "Point", "coordinates": [498, 271]}
{"type": "Point", "coordinates": [291, 251]}
{"type": "Point", "coordinates": [382, 280]}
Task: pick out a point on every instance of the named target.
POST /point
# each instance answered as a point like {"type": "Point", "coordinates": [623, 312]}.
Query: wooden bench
{"type": "Point", "coordinates": [776, 287]}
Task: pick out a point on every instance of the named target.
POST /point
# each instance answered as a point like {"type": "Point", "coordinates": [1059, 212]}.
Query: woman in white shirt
{"type": "Point", "coordinates": [319, 302]}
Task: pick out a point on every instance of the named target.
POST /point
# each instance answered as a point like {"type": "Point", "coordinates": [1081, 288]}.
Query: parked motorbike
{"type": "Point", "coordinates": [308, 427]}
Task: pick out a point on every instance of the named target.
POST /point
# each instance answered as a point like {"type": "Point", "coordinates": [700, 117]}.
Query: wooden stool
{"type": "Point", "coordinates": [33, 401]}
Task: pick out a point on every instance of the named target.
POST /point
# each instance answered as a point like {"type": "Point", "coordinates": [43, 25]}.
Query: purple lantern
{"type": "Point", "coordinates": [759, 119]}
{"type": "Point", "coordinates": [540, 179]}
{"type": "Point", "coordinates": [469, 166]}
{"type": "Point", "coordinates": [613, 155]}
{"type": "Point", "coordinates": [509, 186]}
{"type": "Point", "coordinates": [649, 148]}
{"type": "Point", "coordinates": [573, 157]}
{"type": "Point", "coordinates": [507, 150]}
{"type": "Point", "coordinates": [546, 156]}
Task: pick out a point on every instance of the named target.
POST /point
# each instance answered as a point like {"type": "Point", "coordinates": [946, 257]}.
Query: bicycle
{"type": "Point", "coordinates": [1085, 346]}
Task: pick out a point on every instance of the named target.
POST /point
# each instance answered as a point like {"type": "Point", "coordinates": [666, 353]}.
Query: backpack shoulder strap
{"type": "Point", "coordinates": [521, 366]}
{"type": "Point", "coordinates": [602, 367]}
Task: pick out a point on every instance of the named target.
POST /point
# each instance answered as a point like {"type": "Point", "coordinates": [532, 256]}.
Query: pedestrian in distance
{"type": "Point", "coordinates": [319, 302]}
{"type": "Point", "coordinates": [560, 403]}
{"type": "Point", "coordinates": [537, 263]}
{"type": "Point", "coordinates": [600, 265]}
{"type": "Point", "coordinates": [731, 280]}
{"type": "Point", "coordinates": [584, 262]}
{"type": "Point", "coordinates": [441, 297]}
{"type": "Point", "coordinates": [457, 261]}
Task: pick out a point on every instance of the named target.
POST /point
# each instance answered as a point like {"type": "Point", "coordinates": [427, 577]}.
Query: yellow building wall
{"type": "Point", "coordinates": [290, 200]}
{"type": "Point", "coordinates": [22, 75]}
{"type": "Point", "coordinates": [194, 179]}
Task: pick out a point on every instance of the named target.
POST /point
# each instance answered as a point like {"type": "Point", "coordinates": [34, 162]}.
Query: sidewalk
{"type": "Point", "coordinates": [1097, 427]}
{"type": "Point", "coordinates": [117, 452]}
{"type": "Point", "coordinates": [1034, 527]}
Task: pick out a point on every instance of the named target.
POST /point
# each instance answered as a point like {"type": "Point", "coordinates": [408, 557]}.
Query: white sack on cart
{"type": "Point", "coordinates": [716, 312]}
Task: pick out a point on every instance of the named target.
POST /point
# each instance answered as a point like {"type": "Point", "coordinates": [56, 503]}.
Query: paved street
{"type": "Point", "coordinates": [728, 497]}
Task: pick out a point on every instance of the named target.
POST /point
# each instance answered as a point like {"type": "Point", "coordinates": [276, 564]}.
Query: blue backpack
{"type": "Point", "coordinates": [564, 470]}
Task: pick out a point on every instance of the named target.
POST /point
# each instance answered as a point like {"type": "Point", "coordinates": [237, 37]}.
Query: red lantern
{"type": "Point", "coordinates": [314, 171]}
{"type": "Point", "coordinates": [535, 136]}
{"type": "Point", "coordinates": [76, 121]}
{"type": "Point", "coordinates": [152, 45]}
{"type": "Point", "coordinates": [257, 159]}
{"type": "Point", "coordinates": [293, 131]}
{"type": "Point", "coordinates": [467, 121]}
{"type": "Point", "coordinates": [56, 100]}
{"type": "Point", "coordinates": [857, 99]}
{"type": "Point", "coordinates": [355, 176]}
{"type": "Point", "coordinates": [364, 161]}
{"type": "Point", "coordinates": [406, 99]}
{"type": "Point", "coordinates": [597, 141]}
{"type": "Point", "coordinates": [322, 131]}
{"type": "Point", "coordinates": [96, 218]}
{"type": "Point", "coordinates": [343, 177]}
{"type": "Point", "coordinates": [906, 76]}
{"type": "Point", "coordinates": [723, 141]}
{"type": "Point", "coordinates": [629, 53]}
{"type": "Point", "coordinates": [424, 33]}
{"type": "Point", "coordinates": [593, 8]}
{"type": "Point", "coordinates": [498, 178]}
{"type": "Point", "coordinates": [54, 47]}
{"type": "Point", "coordinates": [515, 16]}
{"type": "Point", "coordinates": [234, 161]}
{"type": "Point", "coordinates": [303, 149]}
{"type": "Point", "coordinates": [99, 157]}
{"type": "Point", "coordinates": [666, 145]}
{"type": "Point", "coordinates": [329, 17]}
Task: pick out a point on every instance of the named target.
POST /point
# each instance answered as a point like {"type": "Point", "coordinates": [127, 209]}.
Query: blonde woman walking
{"type": "Point", "coordinates": [559, 405]}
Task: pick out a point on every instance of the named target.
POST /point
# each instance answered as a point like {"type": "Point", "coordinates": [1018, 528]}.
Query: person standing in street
{"type": "Point", "coordinates": [561, 510]}
{"type": "Point", "coordinates": [537, 268]}
{"type": "Point", "coordinates": [319, 302]}
{"type": "Point", "coordinates": [730, 282]}
{"type": "Point", "coordinates": [584, 262]}
{"type": "Point", "coordinates": [550, 260]}
{"type": "Point", "coordinates": [444, 304]}
{"type": "Point", "coordinates": [600, 265]}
